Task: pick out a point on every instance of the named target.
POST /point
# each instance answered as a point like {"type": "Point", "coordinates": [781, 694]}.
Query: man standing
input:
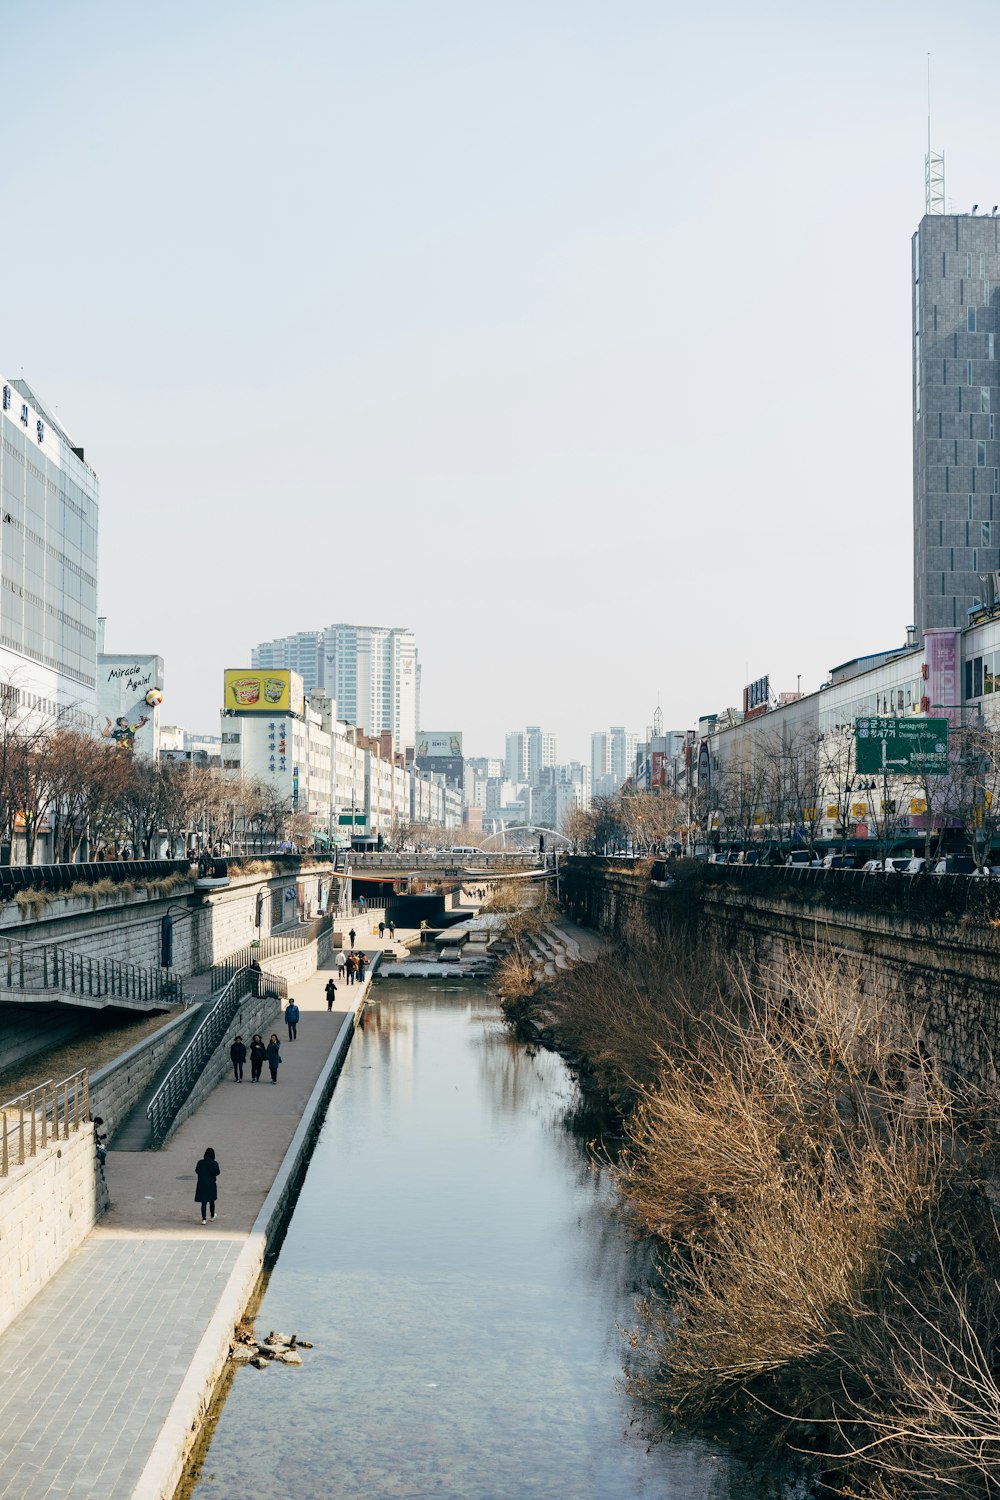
{"type": "Point", "coordinates": [381, 929]}
{"type": "Point", "coordinates": [291, 1019]}
{"type": "Point", "coordinates": [352, 935]}
{"type": "Point", "coordinates": [238, 1056]}
{"type": "Point", "coordinates": [392, 929]}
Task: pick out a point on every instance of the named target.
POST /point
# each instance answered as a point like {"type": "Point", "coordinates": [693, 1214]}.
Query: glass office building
{"type": "Point", "coordinates": [49, 500]}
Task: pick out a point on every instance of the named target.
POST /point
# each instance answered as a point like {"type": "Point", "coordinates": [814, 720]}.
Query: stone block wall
{"type": "Point", "coordinates": [117, 1089]}
{"type": "Point", "coordinates": [256, 1013]}
{"type": "Point", "coordinates": [47, 1208]}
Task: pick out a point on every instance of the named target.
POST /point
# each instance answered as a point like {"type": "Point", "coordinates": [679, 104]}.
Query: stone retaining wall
{"type": "Point", "coordinates": [116, 1089]}
{"type": "Point", "coordinates": [255, 1013]}
{"type": "Point", "coordinates": [47, 1208]}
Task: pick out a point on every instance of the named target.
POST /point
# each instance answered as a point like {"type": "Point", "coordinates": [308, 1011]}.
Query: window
{"type": "Point", "coordinates": [968, 372]}
{"type": "Point", "coordinates": [985, 533]}
{"type": "Point", "coordinates": [972, 501]}
{"type": "Point", "coordinates": [968, 263]}
{"type": "Point", "coordinates": [977, 677]}
{"type": "Point", "coordinates": [990, 345]}
{"type": "Point", "coordinates": [980, 454]}
{"type": "Point", "coordinates": [984, 398]}
{"type": "Point", "coordinates": [996, 481]}
{"type": "Point", "coordinates": [992, 428]}
{"type": "Point", "coordinates": [970, 320]}
{"type": "Point", "coordinates": [968, 679]}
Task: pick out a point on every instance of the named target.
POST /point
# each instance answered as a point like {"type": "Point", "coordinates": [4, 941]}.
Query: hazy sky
{"type": "Point", "coordinates": [574, 336]}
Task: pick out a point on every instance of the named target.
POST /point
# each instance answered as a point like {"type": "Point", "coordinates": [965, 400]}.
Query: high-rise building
{"type": "Point", "coordinates": [612, 759]}
{"type": "Point", "coordinates": [527, 752]}
{"type": "Point", "coordinates": [302, 653]}
{"type": "Point", "coordinates": [49, 498]}
{"type": "Point", "coordinates": [956, 407]}
{"type": "Point", "coordinates": [370, 671]}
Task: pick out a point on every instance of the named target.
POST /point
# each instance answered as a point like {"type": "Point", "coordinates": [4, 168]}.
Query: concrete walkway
{"type": "Point", "coordinates": [101, 1372]}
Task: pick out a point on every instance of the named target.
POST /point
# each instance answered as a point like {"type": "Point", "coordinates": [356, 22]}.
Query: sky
{"type": "Point", "coordinates": [573, 336]}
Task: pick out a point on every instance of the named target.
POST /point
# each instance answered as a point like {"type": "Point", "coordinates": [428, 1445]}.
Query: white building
{"type": "Point", "coordinates": [370, 671]}
{"type": "Point", "coordinates": [528, 751]}
{"type": "Point", "coordinates": [612, 759]}
{"type": "Point", "coordinates": [49, 499]}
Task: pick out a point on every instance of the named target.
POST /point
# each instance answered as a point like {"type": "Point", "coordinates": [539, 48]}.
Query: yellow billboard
{"type": "Point", "coordinates": [275, 690]}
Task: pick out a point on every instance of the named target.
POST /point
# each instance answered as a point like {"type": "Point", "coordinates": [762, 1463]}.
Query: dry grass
{"type": "Point", "coordinates": [31, 902]}
{"type": "Point", "coordinates": [830, 1261]}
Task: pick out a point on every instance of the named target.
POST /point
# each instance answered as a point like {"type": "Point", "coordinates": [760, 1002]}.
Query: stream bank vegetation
{"type": "Point", "coordinates": [825, 1207]}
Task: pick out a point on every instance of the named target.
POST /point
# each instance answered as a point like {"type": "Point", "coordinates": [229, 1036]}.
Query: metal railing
{"type": "Point", "coordinates": [269, 947]}
{"type": "Point", "coordinates": [182, 1077]}
{"type": "Point", "coordinates": [51, 968]}
{"type": "Point", "coordinates": [47, 1112]}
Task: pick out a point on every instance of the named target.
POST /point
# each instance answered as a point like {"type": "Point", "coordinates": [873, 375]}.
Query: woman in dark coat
{"type": "Point", "coordinates": [207, 1191]}
{"type": "Point", "coordinates": [258, 1052]}
{"type": "Point", "coordinates": [273, 1056]}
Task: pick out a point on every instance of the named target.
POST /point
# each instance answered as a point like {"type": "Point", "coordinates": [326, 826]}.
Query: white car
{"type": "Point", "coordinates": [892, 866]}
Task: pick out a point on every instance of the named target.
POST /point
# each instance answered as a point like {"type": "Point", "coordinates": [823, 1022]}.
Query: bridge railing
{"type": "Point", "coordinates": [173, 1091]}
{"type": "Point", "coordinates": [49, 1111]}
{"type": "Point", "coordinates": [49, 967]}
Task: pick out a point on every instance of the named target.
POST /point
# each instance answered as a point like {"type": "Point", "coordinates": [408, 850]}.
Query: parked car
{"type": "Point", "coordinates": [956, 864]}
{"type": "Point", "coordinates": [839, 862]}
{"type": "Point", "coordinates": [918, 865]}
{"type": "Point", "coordinates": [894, 865]}
{"type": "Point", "coordinates": [802, 859]}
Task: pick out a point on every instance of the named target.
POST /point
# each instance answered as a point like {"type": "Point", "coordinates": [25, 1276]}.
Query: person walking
{"type": "Point", "coordinates": [381, 929]}
{"type": "Point", "coordinates": [207, 1191]}
{"type": "Point", "coordinates": [352, 935]}
{"type": "Point", "coordinates": [274, 1057]}
{"type": "Point", "coordinates": [341, 961]}
{"type": "Point", "coordinates": [291, 1019]}
{"type": "Point", "coordinates": [362, 962]}
{"type": "Point", "coordinates": [331, 990]}
{"type": "Point", "coordinates": [258, 1052]}
{"type": "Point", "coordinates": [349, 970]}
{"type": "Point", "coordinates": [392, 929]}
{"type": "Point", "coordinates": [238, 1056]}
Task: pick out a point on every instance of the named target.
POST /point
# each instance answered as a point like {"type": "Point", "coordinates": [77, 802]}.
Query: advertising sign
{"type": "Point", "coordinates": [431, 744]}
{"type": "Point", "coordinates": [274, 690]}
{"type": "Point", "coordinates": [440, 751]}
{"type": "Point", "coordinates": [658, 769]}
{"type": "Point", "coordinates": [129, 693]}
{"type": "Point", "coordinates": [756, 697]}
{"type": "Point", "coordinates": [901, 747]}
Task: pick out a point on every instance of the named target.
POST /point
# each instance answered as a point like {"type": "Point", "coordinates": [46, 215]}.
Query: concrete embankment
{"type": "Point", "coordinates": [108, 1372]}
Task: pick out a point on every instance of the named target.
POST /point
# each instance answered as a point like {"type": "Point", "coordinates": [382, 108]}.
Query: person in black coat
{"type": "Point", "coordinates": [258, 1052]}
{"type": "Point", "coordinates": [207, 1191]}
{"type": "Point", "coordinates": [331, 993]}
{"type": "Point", "coordinates": [274, 1056]}
{"type": "Point", "coordinates": [238, 1056]}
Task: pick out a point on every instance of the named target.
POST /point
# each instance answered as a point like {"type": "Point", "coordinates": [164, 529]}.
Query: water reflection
{"type": "Point", "coordinates": [454, 1259]}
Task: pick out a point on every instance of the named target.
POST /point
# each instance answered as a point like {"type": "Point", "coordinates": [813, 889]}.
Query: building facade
{"type": "Point", "coordinates": [956, 406]}
{"type": "Point", "coordinates": [370, 671]}
{"type": "Point", "coordinates": [49, 502]}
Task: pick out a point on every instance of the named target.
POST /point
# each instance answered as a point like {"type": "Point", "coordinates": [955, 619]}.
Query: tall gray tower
{"type": "Point", "coordinates": [956, 402]}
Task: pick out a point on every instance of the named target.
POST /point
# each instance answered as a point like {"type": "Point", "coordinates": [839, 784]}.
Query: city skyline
{"type": "Point", "coordinates": [568, 336]}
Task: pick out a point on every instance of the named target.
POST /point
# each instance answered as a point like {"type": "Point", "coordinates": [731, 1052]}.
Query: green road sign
{"type": "Point", "coordinates": [901, 747]}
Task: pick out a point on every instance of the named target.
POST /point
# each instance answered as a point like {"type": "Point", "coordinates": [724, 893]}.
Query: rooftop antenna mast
{"type": "Point", "coordinates": [933, 163]}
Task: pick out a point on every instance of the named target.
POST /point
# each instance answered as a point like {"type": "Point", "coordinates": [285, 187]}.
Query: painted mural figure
{"type": "Point", "coordinates": [124, 733]}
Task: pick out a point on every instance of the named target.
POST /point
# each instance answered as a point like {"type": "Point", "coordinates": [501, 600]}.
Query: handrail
{"type": "Point", "coordinates": [38, 1117]}
{"type": "Point", "coordinates": [49, 967]}
{"type": "Point", "coordinates": [269, 947]}
{"type": "Point", "coordinates": [162, 1109]}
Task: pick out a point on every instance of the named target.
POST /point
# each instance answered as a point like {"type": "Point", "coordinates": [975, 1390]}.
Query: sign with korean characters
{"type": "Point", "coordinates": [901, 747]}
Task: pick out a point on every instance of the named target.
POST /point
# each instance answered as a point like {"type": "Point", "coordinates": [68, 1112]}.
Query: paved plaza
{"type": "Point", "coordinates": [90, 1370]}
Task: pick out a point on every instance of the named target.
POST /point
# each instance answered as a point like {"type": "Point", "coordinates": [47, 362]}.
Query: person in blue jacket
{"type": "Point", "coordinates": [291, 1019]}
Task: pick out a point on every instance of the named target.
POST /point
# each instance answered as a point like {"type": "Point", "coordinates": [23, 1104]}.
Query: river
{"type": "Point", "coordinates": [455, 1259]}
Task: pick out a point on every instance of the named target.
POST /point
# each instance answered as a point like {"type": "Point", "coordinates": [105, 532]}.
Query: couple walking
{"type": "Point", "coordinates": [259, 1054]}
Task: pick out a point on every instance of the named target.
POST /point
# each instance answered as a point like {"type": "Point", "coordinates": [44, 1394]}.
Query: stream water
{"type": "Point", "coordinates": [456, 1261]}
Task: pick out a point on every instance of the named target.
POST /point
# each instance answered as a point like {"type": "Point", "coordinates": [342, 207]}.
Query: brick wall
{"type": "Point", "coordinates": [47, 1208]}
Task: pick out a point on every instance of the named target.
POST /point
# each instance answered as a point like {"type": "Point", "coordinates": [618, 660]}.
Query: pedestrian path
{"type": "Point", "coordinates": [94, 1368]}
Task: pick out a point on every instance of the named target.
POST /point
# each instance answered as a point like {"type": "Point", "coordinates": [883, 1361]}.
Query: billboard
{"type": "Point", "coordinates": [901, 747]}
{"type": "Point", "coordinates": [437, 743]}
{"type": "Point", "coordinates": [272, 690]}
{"type": "Point", "coordinates": [440, 751]}
{"type": "Point", "coordinates": [129, 691]}
{"type": "Point", "coordinates": [941, 657]}
{"type": "Point", "coordinates": [658, 769]}
{"type": "Point", "coordinates": [756, 697]}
